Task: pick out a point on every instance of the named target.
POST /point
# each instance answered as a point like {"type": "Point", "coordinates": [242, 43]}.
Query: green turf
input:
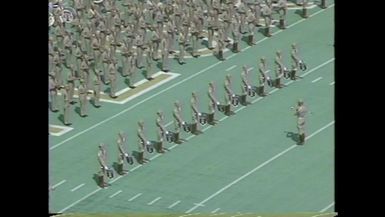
{"type": "Point", "coordinates": [300, 180]}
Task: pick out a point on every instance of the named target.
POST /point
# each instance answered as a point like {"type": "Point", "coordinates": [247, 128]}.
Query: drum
{"type": "Point", "coordinates": [202, 118]}
{"type": "Point", "coordinates": [68, 15]}
{"type": "Point", "coordinates": [170, 136]}
{"type": "Point", "coordinates": [269, 81]}
{"type": "Point", "coordinates": [110, 173]}
{"type": "Point", "coordinates": [251, 91]}
{"type": "Point", "coordinates": [234, 100]}
{"type": "Point", "coordinates": [129, 159]}
{"type": "Point", "coordinates": [302, 65]}
{"type": "Point", "coordinates": [150, 146]}
{"type": "Point", "coordinates": [186, 127]}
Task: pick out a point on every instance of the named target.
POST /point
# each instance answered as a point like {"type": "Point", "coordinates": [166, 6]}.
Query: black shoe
{"type": "Point", "coordinates": [67, 124]}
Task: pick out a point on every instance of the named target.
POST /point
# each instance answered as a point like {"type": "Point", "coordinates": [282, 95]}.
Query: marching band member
{"type": "Point", "coordinates": [266, 14]}
{"type": "Point", "coordinates": [142, 143]}
{"type": "Point", "coordinates": [122, 154]}
{"type": "Point", "coordinates": [264, 72]}
{"type": "Point", "coordinates": [281, 8]}
{"type": "Point", "coordinates": [297, 63]}
{"type": "Point", "coordinates": [280, 70]}
{"type": "Point", "coordinates": [105, 172]}
{"type": "Point", "coordinates": [195, 114]}
{"type": "Point", "coordinates": [300, 112]}
{"type": "Point", "coordinates": [247, 87]}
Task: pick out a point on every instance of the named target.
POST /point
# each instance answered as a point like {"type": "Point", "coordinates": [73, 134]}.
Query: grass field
{"type": "Point", "coordinates": [245, 165]}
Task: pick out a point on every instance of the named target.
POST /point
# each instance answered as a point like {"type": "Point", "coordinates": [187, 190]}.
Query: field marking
{"type": "Point", "coordinates": [174, 204]}
{"type": "Point", "coordinates": [240, 109]}
{"type": "Point", "coordinates": [331, 83]}
{"type": "Point", "coordinates": [171, 76]}
{"type": "Point", "coordinates": [274, 90]}
{"type": "Point", "coordinates": [327, 207]}
{"type": "Point", "coordinates": [133, 169]}
{"type": "Point", "coordinates": [58, 184]}
{"type": "Point", "coordinates": [232, 67]}
{"type": "Point", "coordinates": [152, 202]}
{"type": "Point", "coordinates": [241, 214]}
{"type": "Point", "coordinates": [325, 63]}
{"type": "Point", "coordinates": [199, 204]}
{"type": "Point", "coordinates": [256, 168]}
{"type": "Point", "coordinates": [164, 90]}
{"type": "Point", "coordinates": [116, 193]}
{"type": "Point", "coordinates": [134, 197]}
{"type": "Point", "coordinates": [77, 187]}
{"type": "Point", "coordinates": [215, 210]}
{"type": "Point", "coordinates": [322, 214]}
{"type": "Point", "coordinates": [208, 127]}
{"type": "Point", "coordinates": [317, 79]}
{"type": "Point", "coordinates": [155, 156]}
{"type": "Point", "coordinates": [186, 215]}
{"type": "Point", "coordinates": [332, 59]}
{"type": "Point", "coordinates": [173, 146]}
{"type": "Point", "coordinates": [64, 129]}
{"type": "Point", "coordinates": [223, 118]}
{"type": "Point", "coordinates": [72, 204]}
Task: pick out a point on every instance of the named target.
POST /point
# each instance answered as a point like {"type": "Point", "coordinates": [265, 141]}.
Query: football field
{"type": "Point", "coordinates": [248, 164]}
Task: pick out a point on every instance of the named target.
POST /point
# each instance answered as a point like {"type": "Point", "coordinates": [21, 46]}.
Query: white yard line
{"type": "Point", "coordinates": [327, 207]}
{"type": "Point", "coordinates": [134, 197]}
{"type": "Point", "coordinates": [232, 67]}
{"type": "Point", "coordinates": [174, 204]}
{"type": "Point", "coordinates": [116, 193]}
{"type": "Point", "coordinates": [317, 79]}
{"type": "Point", "coordinates": [77, 187]}
{"type": "Point", "coordinates": [60, 183]}
{"type": "Point", "coordinates": [215, 210]}
{"type": "Point", "coordinates": [64, 130]}
{"type": "Point", "coordinates": [152, 202]}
